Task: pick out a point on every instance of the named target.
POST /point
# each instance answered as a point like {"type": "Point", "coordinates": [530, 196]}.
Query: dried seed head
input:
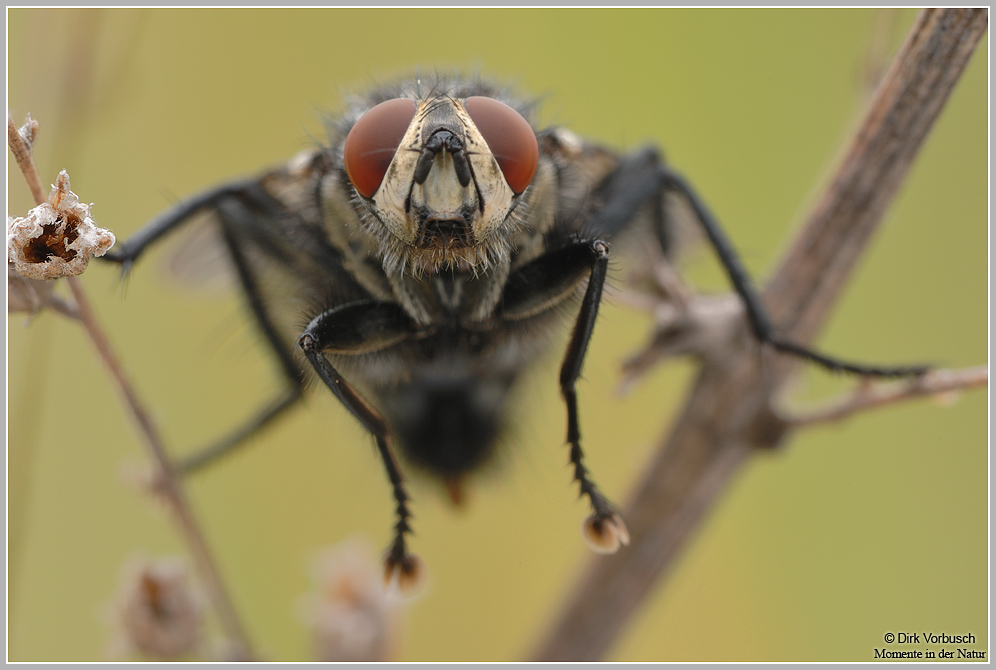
{"type": "Point", "coordinates": [403, 578]}
{"type": "Point", "coordinates": [350, 615]}
{"type": "Point", "coordinates": [158, 612]}
{"type": "Point", "coordinates": [57, 238]}
{"type": "Point", "coordinates": [29, 131]}
{"type": "Point", "coordinates": [604, 535]}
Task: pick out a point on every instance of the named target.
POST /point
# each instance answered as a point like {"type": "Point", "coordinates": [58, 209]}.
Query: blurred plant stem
{"type": "Point", "coordinates": [730, 411]}
{"type": "Point", "coordinates": [940, 384]}
{"type": "Point", "coordinates": [167, 481]}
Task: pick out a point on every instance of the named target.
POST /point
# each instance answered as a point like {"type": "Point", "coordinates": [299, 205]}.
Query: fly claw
{"type": "Point", "coordinates": [404, 573]}
{"type": "Point", "coordinates": [605, 534]}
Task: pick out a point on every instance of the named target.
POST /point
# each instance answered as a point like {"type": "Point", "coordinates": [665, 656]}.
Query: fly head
{"type": "Point", "coordinates": [439, 178]}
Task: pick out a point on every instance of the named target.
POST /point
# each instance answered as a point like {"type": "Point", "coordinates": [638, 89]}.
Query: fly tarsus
{"type": "Point", "coordinates": [402, 569]}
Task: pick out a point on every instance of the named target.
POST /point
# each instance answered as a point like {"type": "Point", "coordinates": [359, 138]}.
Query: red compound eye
{"type": "Point", "coordinates": [373, 141]}
{"type": "Point", "coordinates": [510, 138]}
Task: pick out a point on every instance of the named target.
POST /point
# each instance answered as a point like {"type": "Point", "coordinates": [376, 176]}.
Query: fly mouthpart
{"type": "Point", "coordinates": [446, 231]}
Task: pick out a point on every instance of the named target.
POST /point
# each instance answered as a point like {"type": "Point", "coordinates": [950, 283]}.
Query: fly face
{"type": "Point", "coordinates": [439, 179]}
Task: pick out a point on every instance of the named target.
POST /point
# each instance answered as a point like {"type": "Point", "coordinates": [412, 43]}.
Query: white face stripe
{"type": "Point", "coordinates": [401, 206]}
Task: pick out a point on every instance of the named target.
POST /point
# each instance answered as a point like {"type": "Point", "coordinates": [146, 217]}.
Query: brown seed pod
{"type": "Point", "coordinates": [350, 615]}
{"type": "Point", "coordinates": [159, 613]}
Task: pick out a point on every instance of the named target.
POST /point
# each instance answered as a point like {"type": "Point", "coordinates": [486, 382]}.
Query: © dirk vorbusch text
{"type": "Point", "coordinates": [930, 638]}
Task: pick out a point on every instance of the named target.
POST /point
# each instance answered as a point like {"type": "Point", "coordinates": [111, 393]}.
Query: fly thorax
{"type": "Point", "coordinates": [451, 296]}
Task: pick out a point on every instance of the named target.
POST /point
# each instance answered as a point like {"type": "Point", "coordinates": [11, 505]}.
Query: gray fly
{"type": "Point", "coordinates": [434, 247]}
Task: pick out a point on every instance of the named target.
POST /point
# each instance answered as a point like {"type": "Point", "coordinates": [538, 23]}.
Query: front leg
{"type": "Point", "coordinates": [542, 285]}
{"type": "Point", "coordinates": [359, 328]}
{"type": "Point", "coordinates": [127, 253]}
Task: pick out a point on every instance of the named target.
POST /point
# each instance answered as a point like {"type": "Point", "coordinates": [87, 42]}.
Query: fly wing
{"type": "Point", "coordinates": [198, 257]}
{"type": "Point", "coordinates": [684, 230]}
{"type": "Point", "coordinates": [607, 194]}
{"type": "Point", "coordinates": [279, 240]}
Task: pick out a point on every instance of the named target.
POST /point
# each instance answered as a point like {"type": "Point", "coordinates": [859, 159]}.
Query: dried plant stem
{"type": "Point", "coordinates": [729, 411]}
{"type": "Point", "coordinates": [870, 396]}
{"type": "Point", "coordinates": [22, 154]}
{"type": "Point", "coordinates": [168, 481]}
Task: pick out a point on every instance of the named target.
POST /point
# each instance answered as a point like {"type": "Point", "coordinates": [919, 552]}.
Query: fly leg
{"type": "Point", "coordinates": [646, 179]}
{"type": "Point", "coordinates": [234, 205]}
{"type": "Point", "coordinates": [358, 328]}
{"type": "Point", "coordinates": [128, 252]}
{"type": "Point", "coordinates": [540, 286]}
{"type": "Point", "coordinates": [230, 212]}
{"type": "Point", "coordinates": [604, 529]}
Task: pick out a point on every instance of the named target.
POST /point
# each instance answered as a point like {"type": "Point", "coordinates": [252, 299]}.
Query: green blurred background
{"type": "Point", "coordinates": [879, 524]}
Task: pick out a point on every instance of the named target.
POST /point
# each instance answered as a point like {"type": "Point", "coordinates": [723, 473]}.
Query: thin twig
{"type": "Point", "coordinates": [729, 411]}
{"type": "Point", "coordinates": [870, 396]}
{"type": "Point", "coordinates": [168, 481]}
{"type": "Point", "coordinates": [22, 154]}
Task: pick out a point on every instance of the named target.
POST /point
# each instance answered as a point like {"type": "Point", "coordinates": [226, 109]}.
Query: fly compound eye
{"type": "Point", "coordinates": [510, 138]}
{"type": "Point", "coordinates": [373, 141]}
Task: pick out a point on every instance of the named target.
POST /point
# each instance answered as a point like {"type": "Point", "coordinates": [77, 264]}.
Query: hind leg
{"type": "Point", "coordinates": [647, 179]}
{"type": "Point", "coordinates": [234, 205]}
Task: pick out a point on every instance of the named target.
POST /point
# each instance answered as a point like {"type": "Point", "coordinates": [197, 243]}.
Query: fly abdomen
{"type": "Point", "coordinates": [448, 423]}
